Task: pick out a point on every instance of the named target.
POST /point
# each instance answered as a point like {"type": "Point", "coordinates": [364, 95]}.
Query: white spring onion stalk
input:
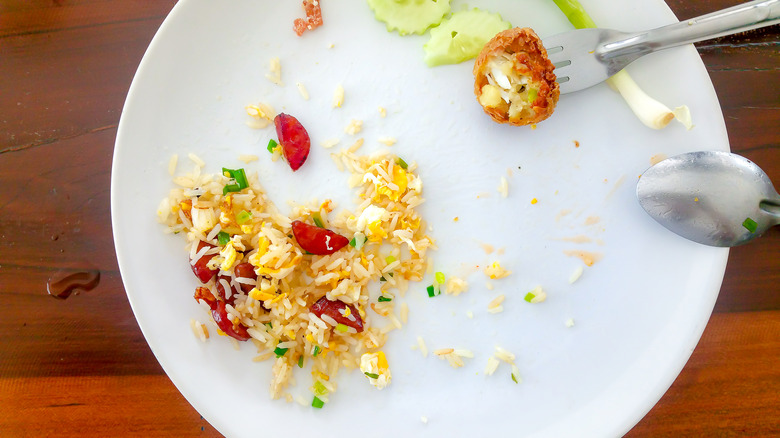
{"type": "Point", "coordinates": [650, 111]}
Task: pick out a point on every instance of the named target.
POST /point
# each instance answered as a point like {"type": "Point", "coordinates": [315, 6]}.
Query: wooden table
{"type": "Point", "coordinates": [81, 366]}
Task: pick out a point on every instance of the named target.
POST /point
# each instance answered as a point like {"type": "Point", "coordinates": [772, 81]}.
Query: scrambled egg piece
{"type": "Point", "coordinates": [370, 222]}
{"type": "Point", "coordinates": [229, 255]}
{"type": "Point", "coordinates": [375, 367]}
{"type": "Point", "coordinates": [495, 271]}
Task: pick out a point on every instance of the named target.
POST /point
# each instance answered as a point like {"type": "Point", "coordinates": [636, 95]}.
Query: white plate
{"type": "Point", "coordinates": [638, 312]}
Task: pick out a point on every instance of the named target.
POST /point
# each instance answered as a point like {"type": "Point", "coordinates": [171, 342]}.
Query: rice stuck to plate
{"type": "Point", "coordinates": [299, 309]}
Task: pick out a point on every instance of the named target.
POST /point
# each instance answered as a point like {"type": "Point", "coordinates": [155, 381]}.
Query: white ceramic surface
{"type": "Point", "coordinates": [638, 312]}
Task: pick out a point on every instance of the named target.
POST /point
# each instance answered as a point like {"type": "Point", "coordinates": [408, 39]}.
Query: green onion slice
{"type": "Point", "coordinates": [236, 175]}
{"type": "Point", "coordinates": [431, 292]}
{"type": "Point", "coordinates": [439, 277]}
{"type": "Point", "coordinates": [401, 163]}
{"type": "Point", "coordinates": [750, 225]}
{"type": "Point", "coordinates": [514, 378]}
{"type": "Point", "coordinates": [389, 259]}
{"type": "Point", "coordinates": [317, 403]}
{"type": "Point", "coordinates": [300, 361]}
{"type": "Point", "coordinates": [243, 217]}
{"type": "Point", "coordinates": [317, 219]}
{"type": "Point", "coordinates": [223, 238]}
{"type": "Point", "coordinates": [272, 145]}
{"type": "Point", "coordinates": [529, 296]}
{"type": "Point", "coordinates": [316, 351]}
{"type": "Point", "coordinates": [384, 298]}
{"type": "Point", "coordinates": [319, 388]}
{"type": "Point", "coordinates": [279, 352]}
{"type": "Point", "coordinates": [341, 327]}
{"type": "Point", "coordinates": [372, 375]}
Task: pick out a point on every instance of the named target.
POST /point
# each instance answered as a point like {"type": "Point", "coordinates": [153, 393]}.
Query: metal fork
{"type": "Point", "coordinates": [586, 57]}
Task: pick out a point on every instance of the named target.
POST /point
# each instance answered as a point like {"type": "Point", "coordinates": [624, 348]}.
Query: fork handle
{"type": "Point", "coordinates": [739, 18]}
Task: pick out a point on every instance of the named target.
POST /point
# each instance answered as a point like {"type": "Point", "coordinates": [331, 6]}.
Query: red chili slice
{"type": "Point", "coordinates": [335, 309]}
{"type": "Point", "coordinates": [293, 138]}
{"type": "Point", "coordinates": [203, 273]}
{"type": "Point", "coordinates": [316, 240]}
{"type": "Point", "coordinates": [313, 17]}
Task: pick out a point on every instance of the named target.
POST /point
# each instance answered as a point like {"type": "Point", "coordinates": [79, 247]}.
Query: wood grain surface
{"type": "Point", "coordinates": [80, 367]}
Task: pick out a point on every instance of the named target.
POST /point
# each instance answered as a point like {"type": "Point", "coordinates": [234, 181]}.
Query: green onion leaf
{"type": "Point", "coordinates": [279, 352]}
{"type": "Point", "coordinates": [223, 238]}
{"type": "Point", "coordinates": [272, 145]}
{"type": "Point", "coordinates": [750, 225]}
{"type": "Point", "coordinates": [341, 327]}
{"type": "Point", "coordinates": [300, 362]}
{"type": "Point", "coordinates": [243, 217]}
{"type": "Point", "coordinates": [238, 176]}
{"type": "Point", "coordinates": [390, 274]}
{"type": "Point", "coordinates": [269, 325]}
{"type": "Point", "coordinates": [514, 378]}
{"type": "Point", "coordinates": [389, 259]}
{"type": "Point", "coordinates": [317, 403]}
{"type": "Point", "coordinates": [358, 240]}
{"type": "Point", "coordinates": [316, 351]}
{"type": "Point", "coordinates": [401, 163]}
{"type": "Point", "coordinates": [439, 277]}
{"type": "Point", "coordinates": [431, 292]}
{"type": "Point", "coordinates": [319, 388]}
{"type": "Point", "coordinates": [384, 298]}
{"type": "Point", "coordinates": [372, 375]}
{"type": "Point", "coordinates": [317, 219]}
{"type": "Point", "coordinates": [352, 242]}
{"type": "Point", "coordinates": [529, 297]}
{"type": "Point", "coordinates": [382, 279]}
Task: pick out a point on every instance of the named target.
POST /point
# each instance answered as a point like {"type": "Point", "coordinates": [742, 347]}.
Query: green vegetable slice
{"type": "Point", "coordinates": [239, 178]}
{"type": "Point", "coordinates": [223, 238]}
{"type": "Point", "coordinates": [372, 375]}
{"type": "Point", "coordinates": [462, 36]}
{"type": "Point", "coordinates": [409, 16]}
{"type": "Point", "coordinates": [383, 299]}
{"type": "Point", "coordinates": [750, 225]}
{"type": "Point", "coordinates": [317, 403]}
{"type": "Point", "coordinates": [272, 145]}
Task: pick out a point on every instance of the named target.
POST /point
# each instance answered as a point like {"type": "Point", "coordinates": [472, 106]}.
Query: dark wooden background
{"type": "Point", "coordinates": [81, 366]}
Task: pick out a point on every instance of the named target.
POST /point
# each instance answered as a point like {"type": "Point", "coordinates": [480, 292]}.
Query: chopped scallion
{"type": "Point", "coordinates": [431, 292]}
{"type": "Point", "coordinates": [319, 388]}
{"type": "Point", "coordinates": [223, 238]}
{"type": "Point", "coordinates": [272, 145]}
{"type": "Point", "coordinates": [750, 225]}
{"type": "Point", "coordinates": [279, 352]}
{"type": "Point", "coordinates": [384, 298]}
{"type": "Point", "coordinates": [372, 375]}
{"type": "Point", "coordinates": [401, 163]}
{"type": "Point", "coordinates": [382, 279]}
{"type": "Point", "coordinates": [239, 178]}
{"type": "Point", "coordinates": [243, 217]}
{"type": "Point", "coordinates": [300, 362]}
{"type": "Point", "coordinates": [341, 327]}
{"type": "Point", "coordinates": [514, 378]}
{"type": "Point", "coordinates": [529, 297]}
{"type": "Point", "coordinates": [269, 325]}
{"type": "Point", "coordinates": [389, 259]}
{"type": "Point", "coordinates": [317, 219]}
{"type": "Point", "coordinates": [317, 403]}
{"type": "Point", "coordinates": [439, 277]}
{"type": "Point", "coordinates": [316, 351]}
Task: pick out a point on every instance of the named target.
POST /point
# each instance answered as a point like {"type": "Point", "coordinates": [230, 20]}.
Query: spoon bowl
{"type": "Point", "coordinates": [711, 197]}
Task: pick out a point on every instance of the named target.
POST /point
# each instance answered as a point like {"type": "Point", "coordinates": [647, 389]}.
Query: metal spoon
{"type": "Point", "coordinates": [714, 198]}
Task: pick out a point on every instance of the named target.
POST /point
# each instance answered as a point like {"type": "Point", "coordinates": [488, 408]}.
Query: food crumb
{"type": "Point", "coordinates": [455, 219]}
{"type": "Point", "coordinates": [576, 144]}
{"type": "Point", "coordinates": [575, 275]}
{"type": "Point", "coordinates": [488, 248]}
{"type": "Point", "coordinates": [248, 158]}
{"type": "Point", "coordinates": [329, 143]}
{"type": "Point", "coordinates": [338, 97]}
{"type": "Point", "coordinates": [488, 285]}
{"type": "Point", "coordinates": [569, 323]}
{"type": "Point", "coordinates": [172, 164]}
{"type": "Point", "coordinates": [503, 187]}
{"type": "Point", "coordinates": [534, 201]}
{"type": "Point", "coordinates": [470, 314]}
{"type": "Point", "coordinates": [424, 419]}
{"type": "Point", "coordinates": [423, 347]}
{"type": "Point", "coordinates": [275, 72]}
{"type": "Point", "coordinates": [495, 271]}
{"type": "Point", "coordinates": [382, 112]}
{"type": "Point", "coordinates": [354, 127]}
{"type": "Point", "coordinates": [455, 286]}
{"type": "Point", "coordinates": [302, 90]}
{"type": "Point", "coordinates": [387, 141]}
